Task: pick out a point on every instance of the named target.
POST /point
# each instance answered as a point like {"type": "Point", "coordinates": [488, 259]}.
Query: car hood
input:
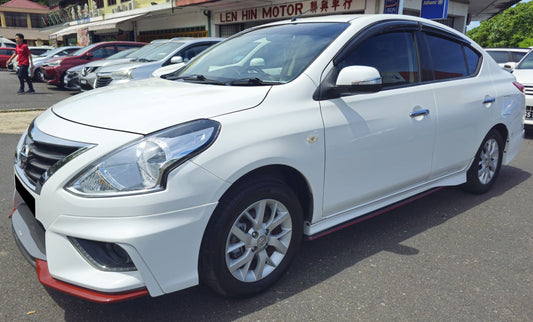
{"type": "Point", "coordinates": [106, 62]}
{"type": "Point", "coordinates": [112, 68]}
{"type": "Point", "coordinates": [524, 76]}
{"type": "Point", "coordinates": [149, 105]}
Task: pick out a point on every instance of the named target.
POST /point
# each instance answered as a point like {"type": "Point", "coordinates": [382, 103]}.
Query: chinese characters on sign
{"type": "Point", "coordinates": [289, 10]}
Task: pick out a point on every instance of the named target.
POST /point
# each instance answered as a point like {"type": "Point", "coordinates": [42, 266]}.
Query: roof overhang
{"type": "Point", "coordinates": [481, 10]}
{"type": "Point", "coordinates": [96, 25]}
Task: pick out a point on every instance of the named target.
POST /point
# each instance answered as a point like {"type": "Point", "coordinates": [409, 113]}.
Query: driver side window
{"type": "Point", "coordinates": [392, 54]}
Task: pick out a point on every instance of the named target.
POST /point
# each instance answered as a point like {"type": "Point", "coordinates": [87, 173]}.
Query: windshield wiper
{"type": "Point", "coordinates": [143, 60]}
{"type": "Point", "coordinates": [250, 81]}
{"type": "Point", "coordinates": [194, 78]}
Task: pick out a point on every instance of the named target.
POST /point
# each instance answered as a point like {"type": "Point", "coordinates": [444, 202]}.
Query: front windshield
{"type": "Point", "coordinates": [121, 54]}
{"type": "Point", "coordinates": [526, 62]}
{"type": "Point", "coordinates": [271, 55]}
{"type": "Point", "coordinates": [160, 51]}
{"type": "Point", "coordinates": [144, 49]}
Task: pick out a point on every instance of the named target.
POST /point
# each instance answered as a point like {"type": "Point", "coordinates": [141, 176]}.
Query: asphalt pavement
{"type": "Point", "coordinates": [451, 256]}
{"type": "Point", "coordinates": [45, 95]}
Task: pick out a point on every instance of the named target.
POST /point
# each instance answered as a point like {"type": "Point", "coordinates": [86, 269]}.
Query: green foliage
{"type": "Point", "coordinates": [511, 28]}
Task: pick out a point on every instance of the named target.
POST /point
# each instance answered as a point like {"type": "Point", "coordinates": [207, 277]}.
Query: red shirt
{"type": "Point", "coordinates": [23, 53]}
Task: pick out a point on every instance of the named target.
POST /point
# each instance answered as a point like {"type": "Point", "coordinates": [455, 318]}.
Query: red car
{"type": "Point", "coordinates": [56, 68]}
{"type": "Point", "coordinates": [5, 53]}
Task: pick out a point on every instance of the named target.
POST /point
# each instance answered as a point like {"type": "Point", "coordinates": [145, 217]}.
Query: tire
{"type": "Point", "coordinates": [39, 75]}
{"type": "Point", "coordinates": [486, 166]}
{"type": "Point", "coordinates": [241, 255]}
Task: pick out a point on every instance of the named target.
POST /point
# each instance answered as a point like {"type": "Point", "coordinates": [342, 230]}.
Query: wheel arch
{"type": "Point", "coordinates": [289, 175]}
{"type": "Point", "coordinates": [504, 132]}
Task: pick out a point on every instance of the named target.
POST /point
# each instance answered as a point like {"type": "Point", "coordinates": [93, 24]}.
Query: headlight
{"type": "Point", "coordinates": [54, 63]}
{"type": "Point", "coordinates": [122, 74]}
{"type": "Point", "coordinates": [144, 165]}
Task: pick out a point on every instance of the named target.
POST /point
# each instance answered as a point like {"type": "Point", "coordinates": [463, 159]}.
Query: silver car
{"type": "Point", "coordinates": [177, 50]}
{"type": "Point", "coordinates": [87, 77]}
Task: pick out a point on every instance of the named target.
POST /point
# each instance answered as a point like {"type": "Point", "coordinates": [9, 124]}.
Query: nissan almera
{"type": "Point", "coordinates": [284, 132]}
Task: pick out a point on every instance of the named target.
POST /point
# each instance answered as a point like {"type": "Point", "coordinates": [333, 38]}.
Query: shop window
{"type": "Point", "coordinates": [36, 21]}
{"type": "Point", "coordinates": [14, 19]}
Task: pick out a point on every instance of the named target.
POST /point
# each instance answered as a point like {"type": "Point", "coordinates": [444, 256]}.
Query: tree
{"type": "Point", "coordinates": [511, 28]}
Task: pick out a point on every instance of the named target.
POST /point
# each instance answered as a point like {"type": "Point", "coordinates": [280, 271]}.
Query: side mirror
{"type": "Point", "coordinates": [176, 60]}
{"type": "Point", "coordinates": [509, 66]}
{"type": "Point", "coordinates": [89, 55]}
{"type": "Point", "coordinates": [358, 79]}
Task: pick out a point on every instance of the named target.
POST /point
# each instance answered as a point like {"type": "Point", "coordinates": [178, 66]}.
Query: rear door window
{"type": "Point", "coordinates": [451, 59]}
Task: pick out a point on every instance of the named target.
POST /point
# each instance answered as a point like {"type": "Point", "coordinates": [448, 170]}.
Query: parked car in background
{"type": "Point", "coordinates": [177, 50]}
{"type": "Point", "coordinates": [88, 73]}
{"type": "Point", "coordinates": [165, 70]}
{"type": "Point", "coordinates": [4, 42]}
{"type": "Point", "coordinates": [5, 54]}
{"type": "Point", "coordinates": [285, 131]}
{"type": "Point", "coordinates": [507, 57]}
{"type": "Point", "coordinates": [39, 50]}
{"type": "Point", "coordinates": [40, 62]}
{"type": "Point", "coordinates": [56, 68]}
{"type": "Point", "coordinates": [523, 72]}
{"type": "Point", "coordinates": [35, 51]}
{"type": "Point", "coordinates": [72, 78]}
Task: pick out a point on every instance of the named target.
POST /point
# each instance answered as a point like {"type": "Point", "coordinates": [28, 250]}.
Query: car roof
{"type": "Point", "coordinates": [192, 40]}
{"type": "Point", "coordinates": [524, 50]}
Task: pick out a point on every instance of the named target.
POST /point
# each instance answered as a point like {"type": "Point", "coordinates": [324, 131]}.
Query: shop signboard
{"type": "Point", "coordinates": [288, 10]}
{"type": "Point", "coordinates": [434, 9]}
{"type": "Point", "coordinates": [391, 6]}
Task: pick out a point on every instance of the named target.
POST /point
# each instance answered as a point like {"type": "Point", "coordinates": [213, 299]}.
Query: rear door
{"type": "Point", "coordinates": [465, 97]}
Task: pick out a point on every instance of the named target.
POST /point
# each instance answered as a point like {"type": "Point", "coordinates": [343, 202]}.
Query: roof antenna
{"type": "Point", "coordinates": [293, 19]}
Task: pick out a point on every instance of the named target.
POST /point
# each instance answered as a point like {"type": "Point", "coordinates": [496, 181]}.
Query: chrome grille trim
{"type": "Point", "coordinates": [40, 155]}
{"type": "Point", "coordinates": [103, 81]}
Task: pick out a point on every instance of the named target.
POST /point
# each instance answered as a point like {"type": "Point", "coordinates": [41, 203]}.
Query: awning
{"type": "Point", "coordinates": [96, 25]}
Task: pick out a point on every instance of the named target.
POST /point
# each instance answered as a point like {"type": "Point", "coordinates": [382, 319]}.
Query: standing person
{"type": "Point", "coordinates": [25, 61]}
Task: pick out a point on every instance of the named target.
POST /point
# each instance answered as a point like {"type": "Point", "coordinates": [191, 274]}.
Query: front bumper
{"type": "Point", "coordinates": [161, 232]}
{"type": "Point", "coordinates": [53, 75]}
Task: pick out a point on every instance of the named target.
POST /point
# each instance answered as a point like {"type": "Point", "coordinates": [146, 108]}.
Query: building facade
{"type": "Point", "coordinates": [25, 17]}
{"type": "Point", "coordinates": [146, 20]}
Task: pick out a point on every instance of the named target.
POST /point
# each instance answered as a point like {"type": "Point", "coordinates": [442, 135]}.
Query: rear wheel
{"type": "Point", "coordinates": [251, 239]}
{"type": "Point", "coordinates": [487, 163]}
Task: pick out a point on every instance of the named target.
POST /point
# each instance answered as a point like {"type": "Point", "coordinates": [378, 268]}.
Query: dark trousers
{"type": "Point", "coordinates": [23, 75]}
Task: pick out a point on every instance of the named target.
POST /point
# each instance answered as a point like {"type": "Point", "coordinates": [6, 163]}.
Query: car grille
{"type": "Point", "coordinates": [103, 81]}
{"type": "Point", "coordinates": [528, 89]}
{"type": "Point", "coordinates": [40, 155]}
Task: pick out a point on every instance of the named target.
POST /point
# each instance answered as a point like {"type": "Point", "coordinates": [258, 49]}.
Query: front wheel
{"type": "Point", "coordinates": [39, 75]}
{"type": "Point", "coordinates": [251, 239]}
{"type": "Point", "coordinates": [487, 163]}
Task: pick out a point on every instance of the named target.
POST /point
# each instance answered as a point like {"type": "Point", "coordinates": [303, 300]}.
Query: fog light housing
{"type": "Point", "coordinates": [104, 256]}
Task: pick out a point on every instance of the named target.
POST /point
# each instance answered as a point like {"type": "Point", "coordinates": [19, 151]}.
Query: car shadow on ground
{"type": "Point", "coordinates": [317, 261]}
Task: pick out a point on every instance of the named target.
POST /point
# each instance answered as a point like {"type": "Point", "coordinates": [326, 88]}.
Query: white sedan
{"type": "Point", "coordinates": [283, 132]}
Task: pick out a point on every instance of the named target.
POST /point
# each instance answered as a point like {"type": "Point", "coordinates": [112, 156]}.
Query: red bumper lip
{"type": "Point", "coordinates": [46, 279]}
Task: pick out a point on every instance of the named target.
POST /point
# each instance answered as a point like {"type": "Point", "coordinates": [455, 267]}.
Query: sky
{"type": "Point", "coordinates": [475, 24]}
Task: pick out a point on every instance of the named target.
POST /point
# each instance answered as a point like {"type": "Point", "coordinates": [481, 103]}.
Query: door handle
{"type": "Point", "coordinates": [419, 113]}
{"type": "Point", "coordinates": [489, 100]}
